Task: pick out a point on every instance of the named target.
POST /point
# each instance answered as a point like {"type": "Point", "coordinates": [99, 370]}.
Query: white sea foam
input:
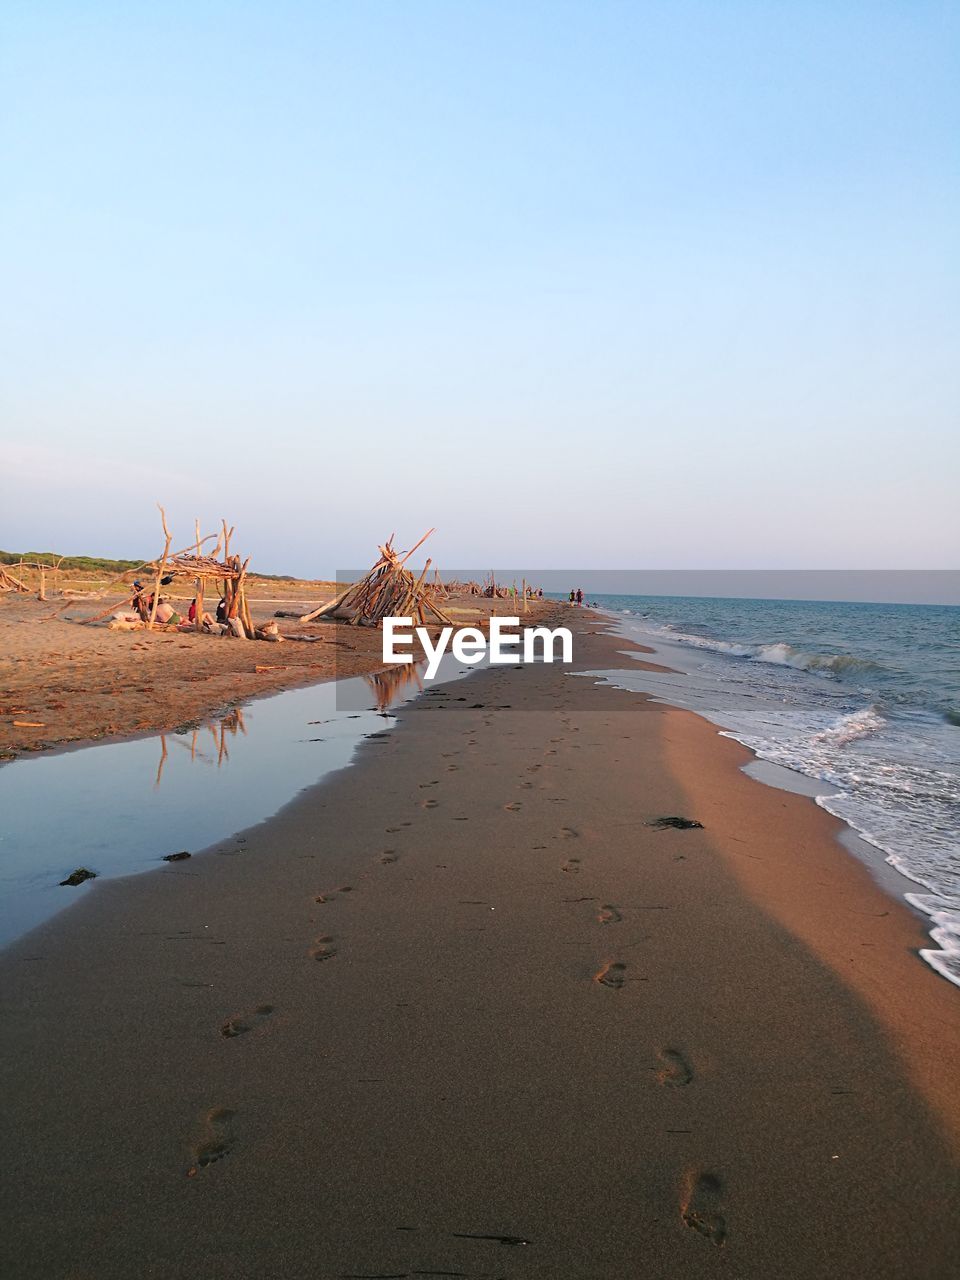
{"type": "Point", "coordinates": [851, 727]}
{"type": "Point", "coordinates": [945, 915]}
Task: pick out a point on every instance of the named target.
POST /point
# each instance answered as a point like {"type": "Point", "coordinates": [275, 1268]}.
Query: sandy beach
{"type": "Point", "coordinates": [65, 681]}
{"type": "Point", "coordinates": [462, 1010]}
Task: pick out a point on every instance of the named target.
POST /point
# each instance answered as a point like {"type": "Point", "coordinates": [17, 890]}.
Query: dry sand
{"type": "Point", "coordinates": [460, 1011]}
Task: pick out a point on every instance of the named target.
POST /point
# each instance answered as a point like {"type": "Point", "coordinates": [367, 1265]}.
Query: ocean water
{"type": "Point", "coordinates": [864, 699]}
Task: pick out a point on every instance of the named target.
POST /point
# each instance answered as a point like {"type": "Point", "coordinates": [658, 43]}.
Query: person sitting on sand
{"type": "Point", "coordinates": [222, 610]}
{"type": "Point", "coordinates": [207, 621]}
{"type": "Point", "coordinates": [167, 614]}
{"type": "Point", "coordinates": [140, 601]}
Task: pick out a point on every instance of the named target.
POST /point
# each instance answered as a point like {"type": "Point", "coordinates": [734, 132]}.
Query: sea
{"type": "Point", "coordinates": [862, 701]}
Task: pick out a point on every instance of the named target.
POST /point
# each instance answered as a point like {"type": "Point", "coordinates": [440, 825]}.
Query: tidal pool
{"type": "Point", "coordinates": [118, 808]}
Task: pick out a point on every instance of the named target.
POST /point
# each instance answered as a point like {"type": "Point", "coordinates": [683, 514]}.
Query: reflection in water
{"type": "Point", "coordinates": [233, 723]}
{"type": "Point", "coordinates": [389, 685]}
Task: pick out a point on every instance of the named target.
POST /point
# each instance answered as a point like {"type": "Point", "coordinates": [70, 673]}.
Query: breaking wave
{"type": "Point", "coordinates": [858, 724]}
{"type": "Point", "coordinates": [780, 653]}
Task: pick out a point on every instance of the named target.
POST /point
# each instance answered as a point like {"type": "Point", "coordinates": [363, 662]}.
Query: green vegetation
{"type": "Point", "coordinates": [50, 558]}
{"type": "Point", "coordinates": [92, 564]}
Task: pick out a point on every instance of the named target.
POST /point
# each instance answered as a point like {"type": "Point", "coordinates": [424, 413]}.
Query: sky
{"type": "Point", "coordinates": [639, 285]}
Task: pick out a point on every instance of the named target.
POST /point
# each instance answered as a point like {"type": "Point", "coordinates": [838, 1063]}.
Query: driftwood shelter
{"type": "Point", "coordinates": [388, 589]}
{"type": "Point", "coordinates": [227, 575]}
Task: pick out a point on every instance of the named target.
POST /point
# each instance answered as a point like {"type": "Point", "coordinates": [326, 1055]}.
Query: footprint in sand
{"type": "Point", "coordinates": [452, 768]}
{"type": "Point", "coordinates": [388, 857]}
{"type": "Point", "coordinates": [608, 915]}
{"type": "Point", "coordinates": [239, 1026]}
{"type": "Point", "coordinates": [513, 807]}
{"type": "Point", "coordinates": [330, 894]}
{"type": "Point", "coordinates": [323, 948]}
{"type": "Point", "coordinates": [612, 974]}
{"type": "Point", "coordinates": [423, 785]}
{"type": "Point", "coordinates": [571, 866]}
{"type": "Point", "coordinates": [217, 1139]}
{"type": "Point", "coordinates": [567, 833]}
{"type": "Point", "coordinates": [701, 1209]}
{"type": "Point", "coordinates": [676, 1070]}
{"type": "Point", "coordinates": [430, 804]}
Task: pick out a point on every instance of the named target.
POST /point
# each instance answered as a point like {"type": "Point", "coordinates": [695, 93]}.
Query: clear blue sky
{"type": "Point", "coordinates": [660, 285]}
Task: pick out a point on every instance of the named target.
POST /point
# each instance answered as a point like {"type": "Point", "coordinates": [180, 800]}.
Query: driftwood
{"type": "Point", "coordinates": [389, 589]}
{"type": "Point", "coordinates": [9, 583]}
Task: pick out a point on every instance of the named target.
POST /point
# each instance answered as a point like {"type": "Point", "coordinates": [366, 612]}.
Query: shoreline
{"type": "Point", "coordinates": [885, 876]}
{"type": "Point", "coordinates": [536, 1017]}
{"type": "Point", "coordinates": [882, 876]}
{"type": "Point", "coordinates": [885, 867]}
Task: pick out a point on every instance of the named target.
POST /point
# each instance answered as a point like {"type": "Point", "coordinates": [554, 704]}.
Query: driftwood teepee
{"type": "Point", "coordinates": [389, 590]}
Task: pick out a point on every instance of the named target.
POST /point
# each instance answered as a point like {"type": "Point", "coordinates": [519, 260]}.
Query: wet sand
{"type": "Point", "coordinates": [461, 1011]}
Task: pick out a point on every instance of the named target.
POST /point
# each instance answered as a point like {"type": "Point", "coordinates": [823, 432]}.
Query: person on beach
{"type": "Point", "coordinates": [167, 614]}
{"type": "Point", "coordinates": [140, 601]}
{"type": "Point", "coordinates": [573, 596]}
{"type": "Point", "coordinates": [579, 597]}
{"type": "Point", "coordinates": [222, 610]}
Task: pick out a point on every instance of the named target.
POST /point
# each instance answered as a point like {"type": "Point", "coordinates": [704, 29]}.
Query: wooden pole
{"type": "Point", "coordinates": [227, 586]}
{"type": "Point", "coordinates": [160, 568]}
{"type": "Point", "coordinates": [414, 547]}
{"type": "Point", "coordinates": [245, 616]}
{"type": "Point", "coordinates": [238, 593]}
{"type": "Point", "coordinates": [198, 587]}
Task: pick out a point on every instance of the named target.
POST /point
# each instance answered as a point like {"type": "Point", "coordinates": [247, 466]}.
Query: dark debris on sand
{"type": "Point", "coordinates": [78, 876]}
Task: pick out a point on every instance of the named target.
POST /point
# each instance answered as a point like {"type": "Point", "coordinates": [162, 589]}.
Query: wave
{"type": "Point", "coordinates": [944, 912]}
{"type": "Point", "coordinates": [780, 654]}
{"type": "Point", "coordinates": [787, 656]}
{"type": "Point", "coordinates": [851, 727]}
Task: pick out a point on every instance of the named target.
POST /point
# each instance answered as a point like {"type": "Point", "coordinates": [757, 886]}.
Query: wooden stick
{"type": "Point", "coordinates": [413, 548]}
{"type": "Point", "coordinates": [245, 616]}
{"type": "Point", "coordinates": [329, 606]}
{"type": "Point", "coordinates": [160, 569]}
